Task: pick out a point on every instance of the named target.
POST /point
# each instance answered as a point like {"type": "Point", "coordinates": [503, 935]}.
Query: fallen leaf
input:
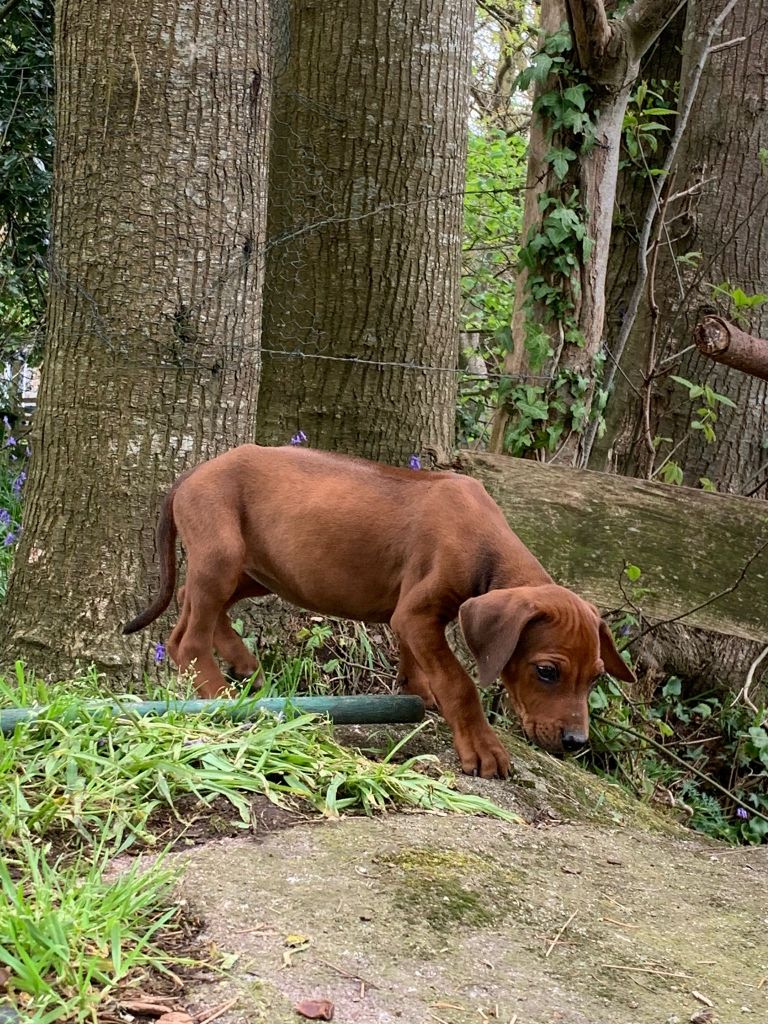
{"type": "Point", "coordinates": [297, 940]}
{"type": "Point", "coordinates": [315, 1009]}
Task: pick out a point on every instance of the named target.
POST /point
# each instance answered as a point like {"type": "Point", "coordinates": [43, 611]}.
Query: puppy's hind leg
{"type": "Point", "coordinates": [212, 579]}
{"type": "Point", "coordinates": [229, 645]}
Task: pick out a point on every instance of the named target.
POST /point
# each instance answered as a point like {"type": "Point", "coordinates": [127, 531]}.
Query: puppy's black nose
{"type": "Point", "coordinates": [573, 741]}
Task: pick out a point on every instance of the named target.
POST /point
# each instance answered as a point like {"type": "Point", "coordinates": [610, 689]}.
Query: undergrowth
{"type": "Point", "coordinates": [684, 751]}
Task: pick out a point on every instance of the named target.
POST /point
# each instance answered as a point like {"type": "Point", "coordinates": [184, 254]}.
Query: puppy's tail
{"type": "Point", "coordinates": [166, 550]}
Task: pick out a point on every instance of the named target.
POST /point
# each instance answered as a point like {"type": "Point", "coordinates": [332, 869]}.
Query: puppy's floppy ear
{"type": "Point", "coordinates": [492, 624]}
{"type": "Point", "coordinates": [614, 663]}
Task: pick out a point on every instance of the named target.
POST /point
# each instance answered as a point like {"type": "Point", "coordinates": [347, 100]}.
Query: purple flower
{"type": "Point", "coordinates": [10, 538]}
{"type": "Point", "coordinates": [742, 813]}
{"type": "Point", "coordinates": [18, 483]}
{"type": "Point", "coordinates": [10, 441]}
{"type": "Point", "coordinates": [5, 516]}
{"type": "Point", "coordinates": [299, 438]}
{"type": "Point", "coordinates": [159, 654]}
{"type": "Point", "coordinates": [624, 630]}
{"type": "Point", "coordinates": [414, 462]}
{"type": "Point", "coordinates": [6, 423]}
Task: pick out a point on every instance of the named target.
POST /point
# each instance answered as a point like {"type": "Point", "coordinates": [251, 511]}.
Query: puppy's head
{"type": "Point", "coordinates": [549, 647]}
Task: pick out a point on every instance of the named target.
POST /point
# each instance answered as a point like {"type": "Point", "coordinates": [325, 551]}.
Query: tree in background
{"type": "Point", "coordinates": [583, 75]}
{"type": "Point", "coordinates": [365, 203]}
{"type": "Point", "coordinates": [706, 251]}
{"type": "Point", "coordinates": [151, 360]}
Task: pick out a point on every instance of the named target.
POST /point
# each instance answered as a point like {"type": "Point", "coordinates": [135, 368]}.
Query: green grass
{"type": "Point", "coordinates": [75, 792]}
{"type": "Point", "coordinates": [69, 936]}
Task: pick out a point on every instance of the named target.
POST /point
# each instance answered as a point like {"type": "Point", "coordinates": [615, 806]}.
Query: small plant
{"type": "Point", "coordinates": [69, 937]}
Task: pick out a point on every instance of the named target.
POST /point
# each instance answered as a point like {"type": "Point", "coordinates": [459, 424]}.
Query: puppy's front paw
{"type": "Point", "coordinates": [481, 753]}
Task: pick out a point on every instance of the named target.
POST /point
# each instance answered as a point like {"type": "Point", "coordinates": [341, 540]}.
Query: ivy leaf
{"type": "Point", "coordinates": [577, 95]}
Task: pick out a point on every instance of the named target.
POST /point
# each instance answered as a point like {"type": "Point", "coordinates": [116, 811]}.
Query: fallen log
{"type": "Point", "coordinates": [725, 343]}
{"type": "Point", "coordinates": [691, 547]}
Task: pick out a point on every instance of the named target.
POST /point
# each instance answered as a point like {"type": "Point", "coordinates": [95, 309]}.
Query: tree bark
{"type": "Point", "coordinates": [365, 215]}
{"type": "Point", "coordinates": [721, 223]}
{"type": "Point", "coordinates": [152, 359]}
{"type": "Point", "coordinates": [609, 52]}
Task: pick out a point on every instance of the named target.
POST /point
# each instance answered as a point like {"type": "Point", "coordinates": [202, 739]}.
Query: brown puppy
{"type": "Point", "coordinates": [342, 536]}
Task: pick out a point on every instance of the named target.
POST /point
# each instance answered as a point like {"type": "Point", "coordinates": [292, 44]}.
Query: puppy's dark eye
{"type": "Point", "coordinates": [547, 673]}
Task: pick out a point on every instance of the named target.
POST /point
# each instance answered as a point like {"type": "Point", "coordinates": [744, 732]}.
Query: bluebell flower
{"type": "Point", "coordinates": [299, 438]}
{"type": "Point", "coordinates": [5, 516]}
{"type": "Point", "coordinates": [159, 654]}
{"type": "Point", "coordinates": [742, 813]}
{"type": "Point", "coordinates": [10, 441]}
{"type": "Point", "coordinates": [10, 538]}
{"type": "Point", "coordinates": [18, 483]}
{"type": "Point", "coordinates": [414, 462]}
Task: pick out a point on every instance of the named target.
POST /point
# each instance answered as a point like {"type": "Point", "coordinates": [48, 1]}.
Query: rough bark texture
{"type": "Point", "coordinates": [152, 357]}
{"type": "Point", "coordinates": [725, 221]}
{"type": "Point", "coordinates": [585, 527]}
{"type": "Point", "coordinates": [367, 171]}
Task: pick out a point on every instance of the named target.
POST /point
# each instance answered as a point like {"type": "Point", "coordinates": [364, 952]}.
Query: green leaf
{"type": "Point", "coordinates": [633, 573]}
{"type": "Point", "coordinates": [577, 95]}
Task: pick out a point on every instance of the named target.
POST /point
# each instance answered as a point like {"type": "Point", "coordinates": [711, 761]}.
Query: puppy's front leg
{"type": "Point", "coordinates": [477, 745]}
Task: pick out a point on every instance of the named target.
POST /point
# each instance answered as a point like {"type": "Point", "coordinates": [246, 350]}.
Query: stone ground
{"type": "Point", "coordinates": [600, 911]}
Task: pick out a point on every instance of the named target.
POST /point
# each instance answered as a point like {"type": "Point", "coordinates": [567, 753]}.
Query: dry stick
{"type": "Point", "coordinates": [647, 970]}
{"type": "Point", "coordinates": [685, 764]}
{"type": "Point", "coordinates": [557, 938]}
{"type": "Point", "coordinates": [651, 366]}
{"type": "Point", "coordinates": [653, 207]}
{"type": "Point", "coordinates": [217, 1011]}
{"type": "Point", "coordinates": [743, 694]}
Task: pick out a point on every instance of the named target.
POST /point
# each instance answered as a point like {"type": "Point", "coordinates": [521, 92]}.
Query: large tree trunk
{"type": "Point", "coordinates": [152, 358]}
{"type": "Point", "coordinates": [724, 220]}
{"type": "Point", "coordinates": [365, 215]}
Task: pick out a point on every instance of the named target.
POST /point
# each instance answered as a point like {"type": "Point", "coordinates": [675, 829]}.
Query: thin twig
{"type": "Point", "coordinates": [685, 764]}
{"type": "Point", "coordinates": [557, 938]}
{"type": "Point", "coordinates": [704, 604]}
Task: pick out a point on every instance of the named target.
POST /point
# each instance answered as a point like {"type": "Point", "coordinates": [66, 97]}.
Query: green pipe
{"type": "Point", "coordinates": [341, 710]}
